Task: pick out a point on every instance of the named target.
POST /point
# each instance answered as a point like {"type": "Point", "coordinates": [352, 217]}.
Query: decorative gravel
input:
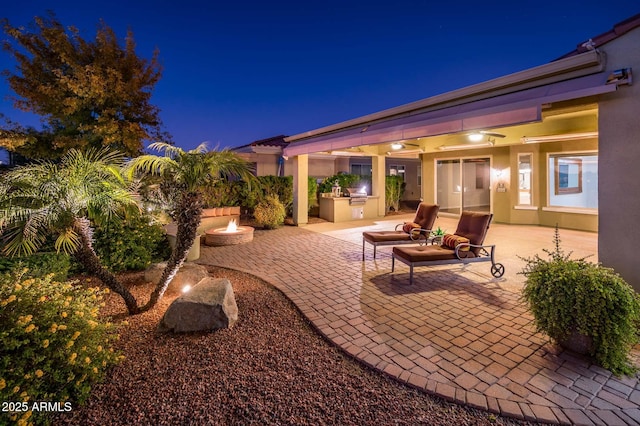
{"type": "Point", "coordinates": [271, 368]}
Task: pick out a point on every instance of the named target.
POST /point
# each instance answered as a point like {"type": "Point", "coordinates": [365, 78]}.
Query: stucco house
{"type": "Point", "coordinates": [554, 144]}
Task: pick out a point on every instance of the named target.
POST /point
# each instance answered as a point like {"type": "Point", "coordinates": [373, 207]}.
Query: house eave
{"type": "Point", "coordinates": [571, 67]}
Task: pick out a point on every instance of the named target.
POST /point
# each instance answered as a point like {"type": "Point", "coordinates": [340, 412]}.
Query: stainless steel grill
{"type": "Point", "coordinates": [356, 196]}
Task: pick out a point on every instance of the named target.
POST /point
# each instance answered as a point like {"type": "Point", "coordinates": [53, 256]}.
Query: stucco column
{"type": "Point", "coordinates": [377, 181]}
{"type": "Point", "coordinates": [301, 189]}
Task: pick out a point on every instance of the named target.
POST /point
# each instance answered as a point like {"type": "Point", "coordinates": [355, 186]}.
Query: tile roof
{"type": "Point", "coordinates": [597, 41]}
{"type": "Point", "coordinates": [272, 141]}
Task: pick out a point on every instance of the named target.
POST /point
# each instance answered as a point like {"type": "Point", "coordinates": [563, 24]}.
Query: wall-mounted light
{"type": "Point", "coordinates": [559, 138]}
{"type": "Point", "coordinates": [465, 146]}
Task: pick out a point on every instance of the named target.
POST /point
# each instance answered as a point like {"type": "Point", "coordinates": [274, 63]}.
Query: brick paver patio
{"type": "Point", "coordinates": [456, 333]}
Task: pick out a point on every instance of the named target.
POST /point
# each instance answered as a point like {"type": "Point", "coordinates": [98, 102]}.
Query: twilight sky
{"type": "Point", "coordinates": [239, 71]}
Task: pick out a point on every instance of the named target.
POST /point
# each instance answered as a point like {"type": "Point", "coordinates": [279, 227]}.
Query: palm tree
{"type": "Point", "coordinates": [185, 173]}
{"type": "Point", "coordinates": [61, 199]}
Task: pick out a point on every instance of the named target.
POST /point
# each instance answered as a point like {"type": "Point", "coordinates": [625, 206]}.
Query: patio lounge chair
{"type": "Point", "coordinates": [414, 232]}
{"type": "Point", "coordinates": [465, 246]}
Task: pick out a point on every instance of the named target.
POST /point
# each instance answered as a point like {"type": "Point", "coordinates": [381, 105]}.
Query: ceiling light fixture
{"type": "Point", "coordinates": [559, 138]}
{"type": "Point", "coordinates": [477, 136]}
{"type": "Point", "coordinates": [396, 146]}
{"type": "Point", "coordinates": [465, 146]}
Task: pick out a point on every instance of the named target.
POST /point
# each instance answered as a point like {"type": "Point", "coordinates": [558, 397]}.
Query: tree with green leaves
{"type": "Point", "coordinates": [62, 199]}
{"type": "Point", "coordinates": [90, 93]}
{"type": "Point", "coordinates": [185, 174]}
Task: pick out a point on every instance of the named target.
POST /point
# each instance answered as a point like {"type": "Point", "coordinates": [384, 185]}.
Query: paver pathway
{"type": "Point", "coordinates": [457, 333]}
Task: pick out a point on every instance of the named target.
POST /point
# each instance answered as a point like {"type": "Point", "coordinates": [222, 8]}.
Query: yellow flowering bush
{"type": "Point", "coordinates": [270, 212]}
{"type": "Point", "coordinates": [41, 348]}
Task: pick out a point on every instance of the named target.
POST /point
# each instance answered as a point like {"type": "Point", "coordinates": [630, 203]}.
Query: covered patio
{"type": "Point", "coordinates": [552, 144]}
{"type": "Point", "coordinates": [457, 333]}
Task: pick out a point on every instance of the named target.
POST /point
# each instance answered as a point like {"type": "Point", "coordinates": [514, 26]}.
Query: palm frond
{"type": "Point", "coordinates": [46, 197]}
{"type": "Point", "coordinates": [68, 241]}
{"type": "Point", "coordinates": [200, 149]}
{"type": "Point", "coordinates": [168, 149]}
{"type": "Point", "coordinates": [148, 164]}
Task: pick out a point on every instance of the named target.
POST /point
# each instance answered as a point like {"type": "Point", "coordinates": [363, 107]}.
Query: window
{"type": "Point", "coordinates": [361, 169]}
{"type": "Point", "coordinates": [524, 179]}
{"type": "Point", "coordinates": [397, 171]}
{"type": "Point", "coordinates": [419, 174]}
{"type": "Point", "coordinates": [573, 180]}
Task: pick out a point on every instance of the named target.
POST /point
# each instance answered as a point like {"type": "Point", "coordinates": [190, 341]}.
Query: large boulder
{"type": "Point", "coordinates": [189, 274]}
{"type": "Point", "coordinates": [209, 305]}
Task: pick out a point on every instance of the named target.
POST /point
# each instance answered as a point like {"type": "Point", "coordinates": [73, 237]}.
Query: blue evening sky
{"type": "Point", "coordinates": [238, 71]}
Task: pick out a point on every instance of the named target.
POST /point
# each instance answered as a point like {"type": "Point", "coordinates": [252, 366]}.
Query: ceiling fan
{"type": "Point", "coordinates": [400, 145]}
{"type": "Point", "coordinates": [478, 135]}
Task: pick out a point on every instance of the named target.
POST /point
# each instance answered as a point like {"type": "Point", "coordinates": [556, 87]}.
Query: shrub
{"type": "Point", "coordinates": [345, 180]}
{"type": "Point", "coordinates": [312, 192]}
{"type": "Point", "coordinates": [567, 295]}
{"type": "Point", "coordinates": [281, 186]}
{"type": "Point", "coordinates": [226, 193]}
{"type": "Point", "coordinates": [394, 187]}
{"type": "Point", "coordinates": [54, 346]}
{"type": "Point", "coordinates": [38, 265]}
{"type": "Point", "coordinates": [131, 244]}
{"type": "Point", "coordinates": [269, 213]}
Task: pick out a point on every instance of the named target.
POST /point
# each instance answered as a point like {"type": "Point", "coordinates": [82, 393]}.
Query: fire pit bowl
{"type": "Point", "coordinates": [231, 235]}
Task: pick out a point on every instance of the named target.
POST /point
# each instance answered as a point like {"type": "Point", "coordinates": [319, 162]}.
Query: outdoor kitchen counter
{"type": "Point", "coordinates": [341, 209]}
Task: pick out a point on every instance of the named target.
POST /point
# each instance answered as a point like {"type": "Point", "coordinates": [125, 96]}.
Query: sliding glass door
{"type": "Point", "coordinates": [463, 184]}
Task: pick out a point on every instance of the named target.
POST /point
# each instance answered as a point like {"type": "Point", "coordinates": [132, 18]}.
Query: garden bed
{"type": "Point", "coordinates": [271, 368]}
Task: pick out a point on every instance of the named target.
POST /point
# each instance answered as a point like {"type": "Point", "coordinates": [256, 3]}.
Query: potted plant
{"type": "Point", "coordinates": [574, 301]}
{"type": "Point", "coordinates": [437, 234]}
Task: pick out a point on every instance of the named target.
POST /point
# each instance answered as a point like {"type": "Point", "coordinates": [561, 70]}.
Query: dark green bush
{"type": "Point", "coordinates": [281, 186]}
{"type": "Point", "coordinates": [225, 193]}
{"type": "Point", "coordinates": [131, 244]}
{"type": "Point", "coordinates": [566, 295]}
{"type": "Point", "coordinates": [54, 345]}
{"type": "Point", "coordinates": [269, 213]}
{"type": "Point", "coordinates": [345, 180]}
{"type": "Point", "coordinates": [38, 265]}
{"type": "Point", "coordinates": [247, 195]}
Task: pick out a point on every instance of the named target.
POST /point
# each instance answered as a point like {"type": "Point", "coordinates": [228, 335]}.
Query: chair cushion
{"type": "Point", "coordinates": [410, 226]}
{"type": "Point", "coordinates": [426, 215]}
{"type": "Point", "coordinates": [474, 226]}
{"type": "Point", "coordinates": [385, 236]}
{"type": "Point", "coordinates": [428, 253]}
{"type": "Point", "coordinates": [208, 212]}
{"type": "Point", "coordinates": [452, 241]}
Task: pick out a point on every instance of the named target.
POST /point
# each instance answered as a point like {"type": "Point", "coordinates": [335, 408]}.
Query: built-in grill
{"type": "Point", "coordinates": [356, 196]}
